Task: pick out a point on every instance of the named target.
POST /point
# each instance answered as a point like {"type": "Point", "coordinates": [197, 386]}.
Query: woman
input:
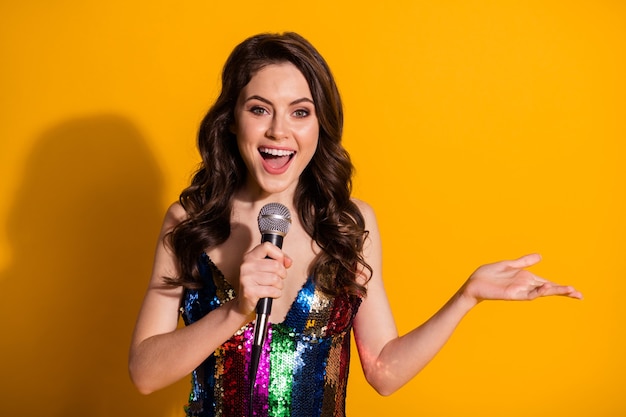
{"type": "Point", "coordinates": [274, 135]}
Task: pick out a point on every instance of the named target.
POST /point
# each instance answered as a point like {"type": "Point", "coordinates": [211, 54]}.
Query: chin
{"type": "Point", "coordinates": [281, 187]}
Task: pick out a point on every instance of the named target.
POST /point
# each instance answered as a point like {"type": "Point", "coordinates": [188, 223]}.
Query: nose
{"type": "Point", "coordinates": [278, 128]}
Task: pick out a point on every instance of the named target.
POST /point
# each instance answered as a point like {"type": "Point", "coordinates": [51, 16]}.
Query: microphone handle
{"type": "Point", "coordinates": [263, 310]}
{"type": "Point", "coordinates": [264, 305]}
{"type": "Point", "coordinates": [274, 238]}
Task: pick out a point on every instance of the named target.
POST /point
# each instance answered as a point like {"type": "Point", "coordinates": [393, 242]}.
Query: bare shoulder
{"type": "Point", "coordinates": [176, 212]}
{"type": "Point", "coordinates": [372, 247]}
{"type": "Point", "coordinates": [366, 211]}
{"type": "Point", "coordinates": [174, 215]}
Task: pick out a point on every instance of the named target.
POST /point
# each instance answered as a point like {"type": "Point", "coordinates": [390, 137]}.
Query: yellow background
{"type": "Point", "coordinates": [481, 130]}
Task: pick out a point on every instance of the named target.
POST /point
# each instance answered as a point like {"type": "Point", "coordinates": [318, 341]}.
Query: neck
{"type": "Point", "coordinates": [247, 199]}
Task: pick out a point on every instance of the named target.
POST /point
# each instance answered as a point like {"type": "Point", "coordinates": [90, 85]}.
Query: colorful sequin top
{"type": "Point", "coordinates": [304, 364]}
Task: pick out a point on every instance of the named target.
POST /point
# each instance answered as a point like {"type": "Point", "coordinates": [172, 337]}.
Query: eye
{"type": "Point", "coordinates": [300, 113]}
{"type": "Point", "coordinates": [258, 110]}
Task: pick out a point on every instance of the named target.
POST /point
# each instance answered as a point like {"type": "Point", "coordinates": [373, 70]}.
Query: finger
{"type": "Point", "coordinates": [270, 268]}
{"type": "Point", "coordinates": [525, 261]}
{"type": "Point", "coordinates": [276, 253]}
{"type": "Point", "coordinates": [549, 289]}
{"type": "Point", "coordinates": [262, 271]}
{"type": "Point", "coordinates": [270, 287]}
{"type": "Point", "coordinates": [272, 251]}
{"type": "Point", "coordinates": [288, 261]}
{"type": "Point", "coordinates": [258, 291]}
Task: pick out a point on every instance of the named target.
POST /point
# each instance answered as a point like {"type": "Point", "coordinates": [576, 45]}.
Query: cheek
{"type": "Point", "coordinates": [312, 135]}
{"type": "Point", "coordinates": [245, 133]}
{"type": "Point", "coordinates": [243, 144]}
{"type": "Point", "coordinates": [311, 146]}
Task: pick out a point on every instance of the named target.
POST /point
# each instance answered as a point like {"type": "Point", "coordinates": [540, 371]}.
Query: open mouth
{"type": "Point", "coordinates": [276, 159]}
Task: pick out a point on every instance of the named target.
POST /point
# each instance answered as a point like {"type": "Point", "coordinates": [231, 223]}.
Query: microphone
{"type": "Point", "coordinates": [274, 221]}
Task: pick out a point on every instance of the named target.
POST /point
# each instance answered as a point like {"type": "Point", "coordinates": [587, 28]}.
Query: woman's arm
{"type": "Point", "coordinates": [390, 361]}
{"type": "Point", "coordinates": [160, 352]}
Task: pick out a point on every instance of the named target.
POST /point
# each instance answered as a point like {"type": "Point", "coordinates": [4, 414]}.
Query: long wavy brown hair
{"type": "Point", "coordinates": [322, 197]}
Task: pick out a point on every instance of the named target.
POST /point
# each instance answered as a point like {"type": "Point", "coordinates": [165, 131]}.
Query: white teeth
{"type": "Point", "coordinates": [277, 152]}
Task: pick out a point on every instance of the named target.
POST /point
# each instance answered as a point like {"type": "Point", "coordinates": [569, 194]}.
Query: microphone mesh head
{"type": "Point", "coordinates": [274, 218]}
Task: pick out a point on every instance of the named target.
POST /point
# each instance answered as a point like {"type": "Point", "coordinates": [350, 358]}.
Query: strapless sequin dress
{"type": "Point", "coordinates": [304, 365]}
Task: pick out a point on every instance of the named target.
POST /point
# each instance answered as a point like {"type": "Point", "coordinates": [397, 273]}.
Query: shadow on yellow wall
{"type": "Point", "coordinates": [82, 232]}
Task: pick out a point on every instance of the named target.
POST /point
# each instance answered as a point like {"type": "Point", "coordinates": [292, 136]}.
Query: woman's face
{"type": "Point", "coordinates": [276, 127]}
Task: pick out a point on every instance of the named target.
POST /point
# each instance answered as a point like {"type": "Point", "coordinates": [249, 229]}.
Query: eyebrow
{"type": "Point", "coordinates": [264, 100]}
